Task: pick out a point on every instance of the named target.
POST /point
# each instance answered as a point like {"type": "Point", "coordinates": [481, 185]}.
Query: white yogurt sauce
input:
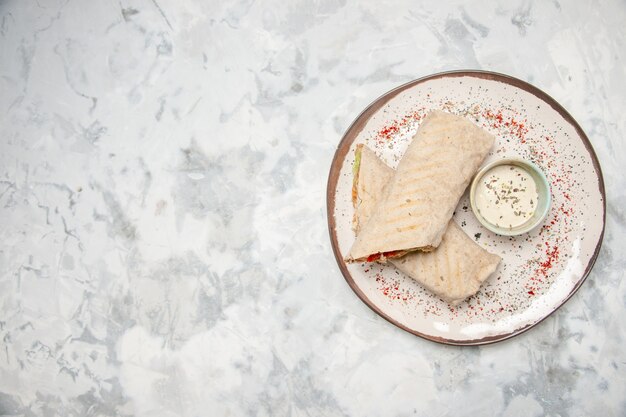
{"type": "Point", "coordinates": [506, 196]}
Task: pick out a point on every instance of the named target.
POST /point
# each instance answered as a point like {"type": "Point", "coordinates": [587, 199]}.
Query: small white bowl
{"type": "Point", "coordinates": [543, 191]}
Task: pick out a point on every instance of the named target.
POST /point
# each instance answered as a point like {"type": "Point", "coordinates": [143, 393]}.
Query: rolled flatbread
{"type": "Point", "coordinates": [416, 206]}
{"type": "Point", "coordinates": [453, 271]}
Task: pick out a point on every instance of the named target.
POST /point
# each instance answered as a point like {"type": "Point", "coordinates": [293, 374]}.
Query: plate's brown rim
{"type": "Point", "coordinates": [359, 123]}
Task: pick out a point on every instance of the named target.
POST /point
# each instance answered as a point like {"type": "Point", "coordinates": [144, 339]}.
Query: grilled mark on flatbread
{"type": "Point", "coordinates": [444, 154]}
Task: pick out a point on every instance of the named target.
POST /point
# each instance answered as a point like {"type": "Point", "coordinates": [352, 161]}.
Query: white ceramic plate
{"type": "Point", "coordinates": [540, 270]}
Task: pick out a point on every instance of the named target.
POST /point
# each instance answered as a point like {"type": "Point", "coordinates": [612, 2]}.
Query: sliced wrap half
{"type": "Point", "coordinates": [453, 271]}
{"type": "Point", "coordinates": [414, 210]}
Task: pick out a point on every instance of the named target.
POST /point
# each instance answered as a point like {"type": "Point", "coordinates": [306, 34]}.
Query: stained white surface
{"type": "Point", "coordinates": [164, 248]}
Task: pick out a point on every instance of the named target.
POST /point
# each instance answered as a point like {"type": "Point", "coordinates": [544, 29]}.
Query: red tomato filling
{"type": "Point", "coordinates": [379, 255]}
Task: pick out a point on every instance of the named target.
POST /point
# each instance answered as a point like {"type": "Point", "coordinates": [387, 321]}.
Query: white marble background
{"type": "Point", "coordinates": [163, 239]}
